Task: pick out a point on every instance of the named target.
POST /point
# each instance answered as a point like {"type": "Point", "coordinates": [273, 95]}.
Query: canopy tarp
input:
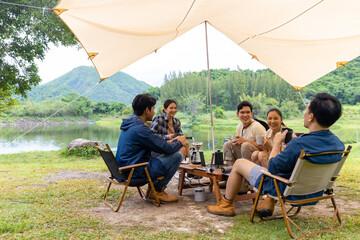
{"type": "Point", "coordinates": [299, 40]}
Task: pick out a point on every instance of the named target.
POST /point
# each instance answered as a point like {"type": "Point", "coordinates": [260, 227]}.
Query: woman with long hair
{"type": "Point", "coordinates": [275, 122]}
{"type": "Point", "coordinates": [167, 126]}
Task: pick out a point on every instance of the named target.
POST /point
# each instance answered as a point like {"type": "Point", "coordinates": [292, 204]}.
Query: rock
{"type": "Point", "coordinates": [80, 142]}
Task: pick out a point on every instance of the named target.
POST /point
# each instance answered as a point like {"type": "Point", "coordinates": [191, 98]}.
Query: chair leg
{"type": "Point", "coordinates": [141, 193]}
{"type": "Point", "coordinates": [116, 206]}
{"type": "Point", "coordinates": [256, 201]}
{"type": "Point", "coordinates": [157, 200]}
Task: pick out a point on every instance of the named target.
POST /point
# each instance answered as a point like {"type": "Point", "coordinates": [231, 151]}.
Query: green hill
{"type": "Point", "coordinates": [344, 83]}
{"type": "Point", "coordinates": [119, 87]}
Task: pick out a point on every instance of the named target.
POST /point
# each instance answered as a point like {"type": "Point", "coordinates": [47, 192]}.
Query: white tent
{"type": "Point", "coordinates": [299, 40]}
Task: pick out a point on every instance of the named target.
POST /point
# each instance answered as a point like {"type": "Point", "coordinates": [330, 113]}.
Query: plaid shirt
{"type": "Point", "coordinates": [160, 126]}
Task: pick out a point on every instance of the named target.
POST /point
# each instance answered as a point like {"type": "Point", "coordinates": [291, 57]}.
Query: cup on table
{"type": "Point", "coordinates": [288, 136]}
{"type": "Point", "coordinates": [260, 140]}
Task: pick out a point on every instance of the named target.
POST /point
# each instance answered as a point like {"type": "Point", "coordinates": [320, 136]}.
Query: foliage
{"type": "Point", "coordinates": [81, 107]}
{"type": "Point", "coordinates": [290, 109]}
{"type": "Point", "coordinates": [343, 83]}
{"type": "Point", "coordinates": [261, 104]}
{"type": "Point", "coordinates": [127, 111]}
{"type": "Point", "coordinates": [154, 92]}
{"type": "Point", "coordinates": [261, 86]}
{"type": "Point", "coordinates": [219, 113]}
{"type": "Point", "coordinates": [227, 86]}
{"type": "Point", "coordinates": [194, 104]}
{"type": "Point", "coordinates": [85, 152]}
{"type": "Point", "coordinates": [25, 35]}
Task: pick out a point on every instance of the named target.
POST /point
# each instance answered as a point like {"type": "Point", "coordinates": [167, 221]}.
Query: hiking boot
{"type": "Point", "coordinates": [266, 207]}
{"type": "Point", "coordinates": [224, 208]}
{"type": "Point", "coordinates": [163, 196]}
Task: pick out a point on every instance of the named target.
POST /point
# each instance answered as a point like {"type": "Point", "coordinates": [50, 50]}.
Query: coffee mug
{"type": "Point", "coordinates": [288, 136]}
{"type": "Point", "coordinates": [260, 140]}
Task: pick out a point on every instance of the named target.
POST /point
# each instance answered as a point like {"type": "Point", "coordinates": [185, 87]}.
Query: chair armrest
{"type": "Point", "coordinates": [134, 166]}
{"type": "Point", "coordinates": [284, 180]}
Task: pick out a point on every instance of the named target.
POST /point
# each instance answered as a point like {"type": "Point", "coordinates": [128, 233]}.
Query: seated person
{"type": "Point", "coordinates": [137, 141]}
{"type": "Point", "coordinates": [167, 126]}
{"type": "Point", "coordinates": [246, 132]}
{"type": "Point", "coordinates": [275, 122]}
{"type": "Point", "coordinates": [322, 112]}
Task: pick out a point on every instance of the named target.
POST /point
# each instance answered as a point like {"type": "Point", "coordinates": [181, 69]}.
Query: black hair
{"type": "Point", "coordinates": [244, 104]}
{"type": "Point", "coordinates": [275, 110]}
{"type": "Point", "coordinates": [167, 103]}
{"type": "Point", "coordinates": [326, 109]}
{"type": "Point", "coordinates": [142, 102]}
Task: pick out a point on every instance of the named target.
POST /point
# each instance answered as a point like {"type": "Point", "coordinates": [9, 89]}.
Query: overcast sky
{"type": "Point", "coordinates": [186, 53]}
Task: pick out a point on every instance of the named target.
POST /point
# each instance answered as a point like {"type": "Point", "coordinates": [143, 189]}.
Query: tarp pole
{"type": "Point", "coordinates": [208, 68]}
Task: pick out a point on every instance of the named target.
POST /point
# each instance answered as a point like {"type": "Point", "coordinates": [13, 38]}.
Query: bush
{"type": "Point", "coordinates": [86, 152]}
{"type": "Point", "coordinates": [219, 113]}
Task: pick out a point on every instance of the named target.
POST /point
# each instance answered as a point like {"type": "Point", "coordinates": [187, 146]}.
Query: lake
{"type": "Point", "coordinates": [47, 138]}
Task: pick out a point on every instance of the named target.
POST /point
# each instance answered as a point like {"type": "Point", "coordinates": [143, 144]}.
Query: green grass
{"type": "Point", "coordinates": [33, 208]}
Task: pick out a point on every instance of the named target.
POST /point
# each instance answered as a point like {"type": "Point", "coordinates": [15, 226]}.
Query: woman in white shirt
{"type": "Point", "coordinates": [275, 121]}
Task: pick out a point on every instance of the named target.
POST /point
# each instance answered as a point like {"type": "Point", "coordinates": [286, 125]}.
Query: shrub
{"type": "Point", "coordinates": [86, 152]}
{"type": "Point", "coordinates": [219, 113]}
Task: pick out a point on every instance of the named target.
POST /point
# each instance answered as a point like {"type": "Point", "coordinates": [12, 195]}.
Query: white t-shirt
{"type": "Point", "coordinates": [251, 131]}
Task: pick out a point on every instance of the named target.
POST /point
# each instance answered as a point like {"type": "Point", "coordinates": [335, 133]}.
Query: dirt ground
{"type": "Point", "coordinates": [186, 215]}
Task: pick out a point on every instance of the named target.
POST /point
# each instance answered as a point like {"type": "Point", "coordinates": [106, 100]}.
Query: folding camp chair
{"type": "Point", "coordinates": [123, 176]}
{"type": "Point", "coordinates": [306, 178]}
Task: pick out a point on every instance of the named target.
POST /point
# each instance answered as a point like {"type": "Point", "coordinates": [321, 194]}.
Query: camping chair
{"type": "Point", "coordinates": [122, 176]}
{"type": "Point", "coordinates": [306, 178]}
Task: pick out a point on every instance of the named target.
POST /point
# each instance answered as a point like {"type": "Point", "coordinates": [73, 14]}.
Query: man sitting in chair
{"type": "Point", "coordinates": [322, 112]}
{"type": "Point", "coordinates": [137, 141]}
{"type": "Point", "coordinates": [244, 143]}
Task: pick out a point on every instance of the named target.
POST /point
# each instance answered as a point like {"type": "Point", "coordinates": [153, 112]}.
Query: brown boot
{"type": "Point", "coordinates": [266, 207]}
{"type": "Point", "coordinates": [163, 196]}
{"type": "Point", "coordinates": [224, 208]}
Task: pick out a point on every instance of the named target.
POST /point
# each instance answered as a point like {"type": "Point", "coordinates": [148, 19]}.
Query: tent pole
{"type": "Point", "coordinates": [208, 68]}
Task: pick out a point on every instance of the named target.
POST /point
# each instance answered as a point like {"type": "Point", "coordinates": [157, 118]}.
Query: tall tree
{"type": "Point", "coordinates": [25, 36]}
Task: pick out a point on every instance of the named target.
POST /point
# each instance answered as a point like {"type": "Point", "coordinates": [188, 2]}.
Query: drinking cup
{"type": "Point", "coordinates": [260, 140]}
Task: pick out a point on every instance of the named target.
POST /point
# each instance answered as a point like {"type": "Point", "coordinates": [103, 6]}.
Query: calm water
{"type": "Point", "coordinates": [55, 137]}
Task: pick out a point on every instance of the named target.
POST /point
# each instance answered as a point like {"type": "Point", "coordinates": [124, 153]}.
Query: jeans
{"type": "Point", "coordinates": [171, 163]}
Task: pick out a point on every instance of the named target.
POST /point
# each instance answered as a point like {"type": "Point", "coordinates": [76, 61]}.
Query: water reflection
{"type": "Point", "coordinates": [46, 138]}
{"type": "Point", "coordinates": [53, 137]}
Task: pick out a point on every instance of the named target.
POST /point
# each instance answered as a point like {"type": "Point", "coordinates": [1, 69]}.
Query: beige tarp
{"type": "Point", "coordinates": [300, 40]}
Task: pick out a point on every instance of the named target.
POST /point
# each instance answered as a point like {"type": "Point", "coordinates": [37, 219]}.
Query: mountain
{"type": "Point", "coordinates": [120, 87]}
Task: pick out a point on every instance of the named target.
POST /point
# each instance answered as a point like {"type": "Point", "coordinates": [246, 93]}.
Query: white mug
{"type": "Point", "coordinates": [260, 140]}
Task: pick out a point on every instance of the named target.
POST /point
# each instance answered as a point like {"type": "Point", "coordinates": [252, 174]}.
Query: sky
{"type": "Point", "coordinates": [186, 53]}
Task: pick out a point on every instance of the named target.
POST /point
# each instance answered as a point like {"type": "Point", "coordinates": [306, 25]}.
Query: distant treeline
{"type": "Point", "coordinates": [263, 88]}
{"type": "Point", "coordinates": [82, 107]}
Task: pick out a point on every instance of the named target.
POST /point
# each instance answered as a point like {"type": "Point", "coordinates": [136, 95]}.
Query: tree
{"type": "Point", "coordinates": [82, 106]}
{"type": "Point", "coordinates": [25, 37]}
{"type": "Point", "coordinates": [194, 104]}
{"type": "Point", "coordinates": [154, 92]}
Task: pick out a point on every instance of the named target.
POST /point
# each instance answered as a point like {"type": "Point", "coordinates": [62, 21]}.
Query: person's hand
{"type": "Point", "coordinates": [171, 136]}
{"type": "Point", "coordinates": [267, 144]}
{"type": "Point", "coordinates": [240, 140]}
{"type": "Point", "coordinates": [182, 139]}
{"type": "Point", "coordinates": [279, 137]}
